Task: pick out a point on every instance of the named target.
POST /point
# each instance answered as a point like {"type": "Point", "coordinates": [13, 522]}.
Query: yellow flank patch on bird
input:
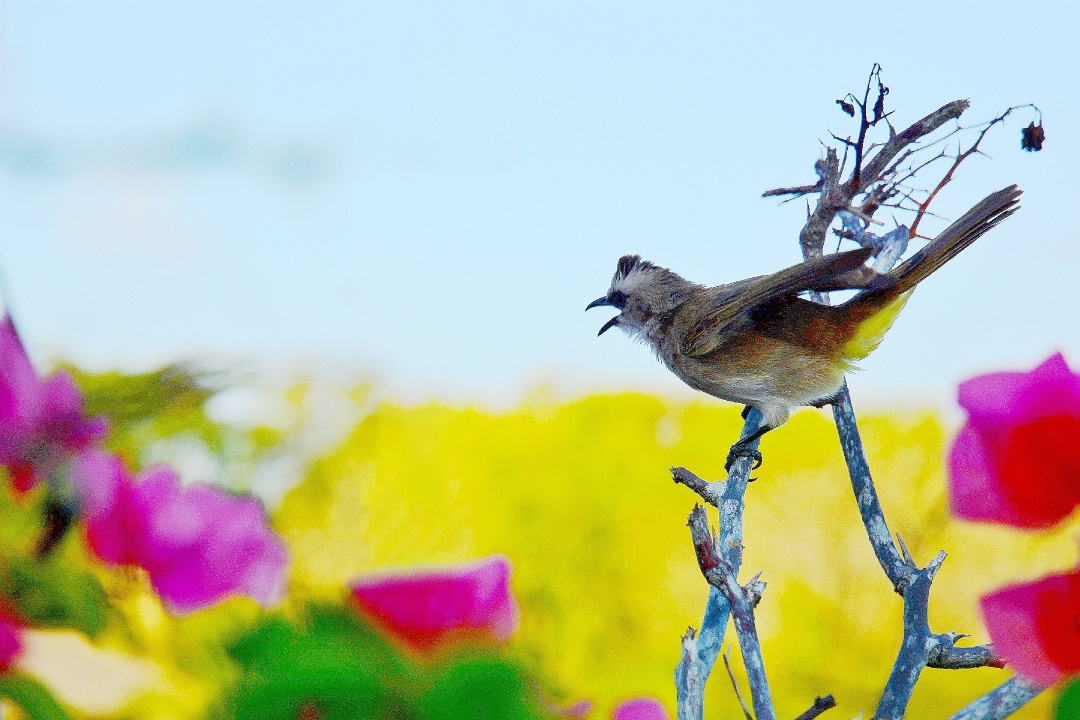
{"type": "Point", "coordinates": [872, 331]}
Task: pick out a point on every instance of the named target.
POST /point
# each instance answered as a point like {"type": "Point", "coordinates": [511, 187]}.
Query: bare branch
{"type": "Point", "coordinates": [831, 201]}
{"type": "Point", "coordinates": [957, 160]}
{"type": "Point", "coordinates": [710, 492]}
{"type": "Point", "coordinates": [921, 128]}
{"type": "Point", "coordinates": [944, 654]}
{"type": "Point", "coordinates": [721, 574]}
{"type": "Point", "coordinates": [1001, 702]}
{"type": "Point", "coordinates": [734, 684]}
{"type": "Point", "coordinates": [821, 704]}
{"type": "Point", "coordinates": [690, 676]}
{"type": "Point", "coordinates": [693, 670]}
{"type": "Point", "coordinates": [798, 190]}
{"type": "Point", "coordinates": [898, 572]}
{"type": "Point", "coordinates": [914, 650]}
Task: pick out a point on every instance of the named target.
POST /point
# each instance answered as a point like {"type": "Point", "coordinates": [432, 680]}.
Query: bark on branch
{"type": "Point", "coordinates": [720, 574]}
{"type": "Point", "coordinates": [697, 660]}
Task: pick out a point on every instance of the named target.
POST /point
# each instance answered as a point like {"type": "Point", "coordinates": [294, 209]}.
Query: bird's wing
{"type": "Point", "coordinates": [728, 307]}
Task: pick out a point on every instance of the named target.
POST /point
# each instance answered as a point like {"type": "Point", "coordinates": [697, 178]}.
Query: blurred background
{"type": "Point", "coordinates": [382, 222]}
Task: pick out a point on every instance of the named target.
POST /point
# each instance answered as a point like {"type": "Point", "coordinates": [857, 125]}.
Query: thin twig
{"type": "Point", "coordinates": [821, 704]}
{"type": "Point", "coordinates": [735, 684]}
{"type": "Point", "coordinates": [957, 160]}
{"type": "Point", "coordinates": [797, 190]}
{"type": "Point", "coordinates": [710, 492]}
{"type": "Point", "coordinates": [919, 129]}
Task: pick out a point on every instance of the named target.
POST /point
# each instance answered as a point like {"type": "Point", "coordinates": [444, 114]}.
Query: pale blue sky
{"type": "Point", "coordinates": [431, 193]}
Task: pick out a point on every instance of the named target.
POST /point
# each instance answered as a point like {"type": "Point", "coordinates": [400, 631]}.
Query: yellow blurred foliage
{"type": "Point", "coordinates": [579, 496]}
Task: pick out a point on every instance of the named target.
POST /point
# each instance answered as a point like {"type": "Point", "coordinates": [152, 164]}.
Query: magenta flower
{"type": "Point", "coordinates": [10, 643]}
{"type": "Point", "coordinates": [1017, 459]}
{"type": "Point", "coordinates": [198, 544]}
{"type": "Point", "coordinates": [642, 708]}
{"type": "Point", "coordinates": [427, 609]}
{"type": "Point", "coordinates": [42, 422]}
{"type": "Point", "coordinates": [1036, 627]}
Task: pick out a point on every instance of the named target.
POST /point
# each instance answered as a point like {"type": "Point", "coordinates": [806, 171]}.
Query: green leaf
{"type": "Point", "coordinates": [479, 689]}
{"type": "Point", "coordinates": [52, 593]}
{"type": "Point", "coordinates": [32, 697]}
{"type": "Point", "coordinates": [334, 665]}
{"type": "Point", "coordinates": [146, 407]}
{"type": "Point", "coordinates": [1069, 704]}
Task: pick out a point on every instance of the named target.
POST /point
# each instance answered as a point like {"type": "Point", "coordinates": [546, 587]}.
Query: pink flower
{"type": "Point", "coordinates": [1017, 459]}
{"type": "Point", "coordinates": [426, 609]}
{"type": "Point", "coordinates": [1036, 627]}
{"type": "Point", "coordinates": [41, 421]}
{"type": "Point", "coordinates": [642, 708]}
{"type": "Point", "coordinates": [10, 643]}
{"type": "Point", "coordinates": [198, 544]}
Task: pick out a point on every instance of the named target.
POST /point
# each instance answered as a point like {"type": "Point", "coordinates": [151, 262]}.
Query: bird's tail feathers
{"type": "Point", "coordinates": [872, 312]}
{"type": "Point", "coordinates": [969, 228]}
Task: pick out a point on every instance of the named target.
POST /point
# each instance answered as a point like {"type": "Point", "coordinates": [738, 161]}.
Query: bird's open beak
{"type": "Point", "coordinates": [601, 302]}
{"type": "Point", "coordinates": [608, 325]}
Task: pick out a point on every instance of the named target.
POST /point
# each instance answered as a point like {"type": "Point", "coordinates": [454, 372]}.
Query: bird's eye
{"type": "Point", "coordinates": [618, 299]}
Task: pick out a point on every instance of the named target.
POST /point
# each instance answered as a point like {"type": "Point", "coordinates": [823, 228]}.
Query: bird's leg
{"type": "Point", "coordinates": [746, 411]}
{"type": "Point", "coordinates": [742, 447]}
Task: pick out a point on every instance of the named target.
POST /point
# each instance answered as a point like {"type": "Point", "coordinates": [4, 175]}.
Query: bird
{"type": "Point", "coordinates": [758, 342]}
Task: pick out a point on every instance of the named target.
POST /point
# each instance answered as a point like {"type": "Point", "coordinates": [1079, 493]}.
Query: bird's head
{"type": "Point", "coordinates": [644, 293]}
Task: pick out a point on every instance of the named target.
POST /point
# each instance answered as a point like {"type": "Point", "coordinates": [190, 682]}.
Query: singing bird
{"type": "Point", "coordinates": [757, 342]}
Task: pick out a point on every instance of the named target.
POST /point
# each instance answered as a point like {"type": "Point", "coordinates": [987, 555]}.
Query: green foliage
{"type": "Point", "coordinates": [334, 664]}
{"type": "Point", "coordinates": [145, 407]}
{"type": "Point", "coordinates": [57, 591]}
{"type": "Point", "coordinates": [32, 697]}
{"type": "Point", "coordinates": [335, 667]}
{"type": "Point", "coordinates": [478, 689]}
{"type": "Point", "coordinates": [1069, 704]}
{"type": "Point", "coordinates": [54, 593]}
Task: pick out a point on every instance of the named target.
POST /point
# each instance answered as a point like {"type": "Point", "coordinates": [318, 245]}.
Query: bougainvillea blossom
{"type": "Point", "coordinates": [10, 643]}
{"type": "Point", "coordinates": [42, 422]}
{"type": "Point", "coordinates": [642, 708]}
{"type": "Point", "coordinates": [198, 544]}
{"type": "Point", "coordinates": [1036, 627]}
{"type": "Point", "coordinates": [1017, 459]}
{"type": "Point", "coordinates": [426, 609]}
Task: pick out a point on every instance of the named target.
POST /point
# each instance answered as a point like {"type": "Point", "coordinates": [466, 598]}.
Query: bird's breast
{"type": "Point", "coordinates": [756, 370]}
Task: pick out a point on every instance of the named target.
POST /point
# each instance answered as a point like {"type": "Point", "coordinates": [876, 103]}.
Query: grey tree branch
{"type": "Point", "coordinates": [796, 190]}
{"type": "Point", "coordinates": [866, 496]}
{"type": "Point", "coordinates": [920, 647]}
{"type": "Point", "coordinates": [914, 650]}
{"type": "Point", "coordinates": [694, 668]}
{"type": "Point", "coordinates": [720, 573]}
{"type": "Point", "coordinates": [1000, 702]}
{"type": "Point", "coordinates": [710, 492]}
{"type": "Point", "coordinates": [947, 656]}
